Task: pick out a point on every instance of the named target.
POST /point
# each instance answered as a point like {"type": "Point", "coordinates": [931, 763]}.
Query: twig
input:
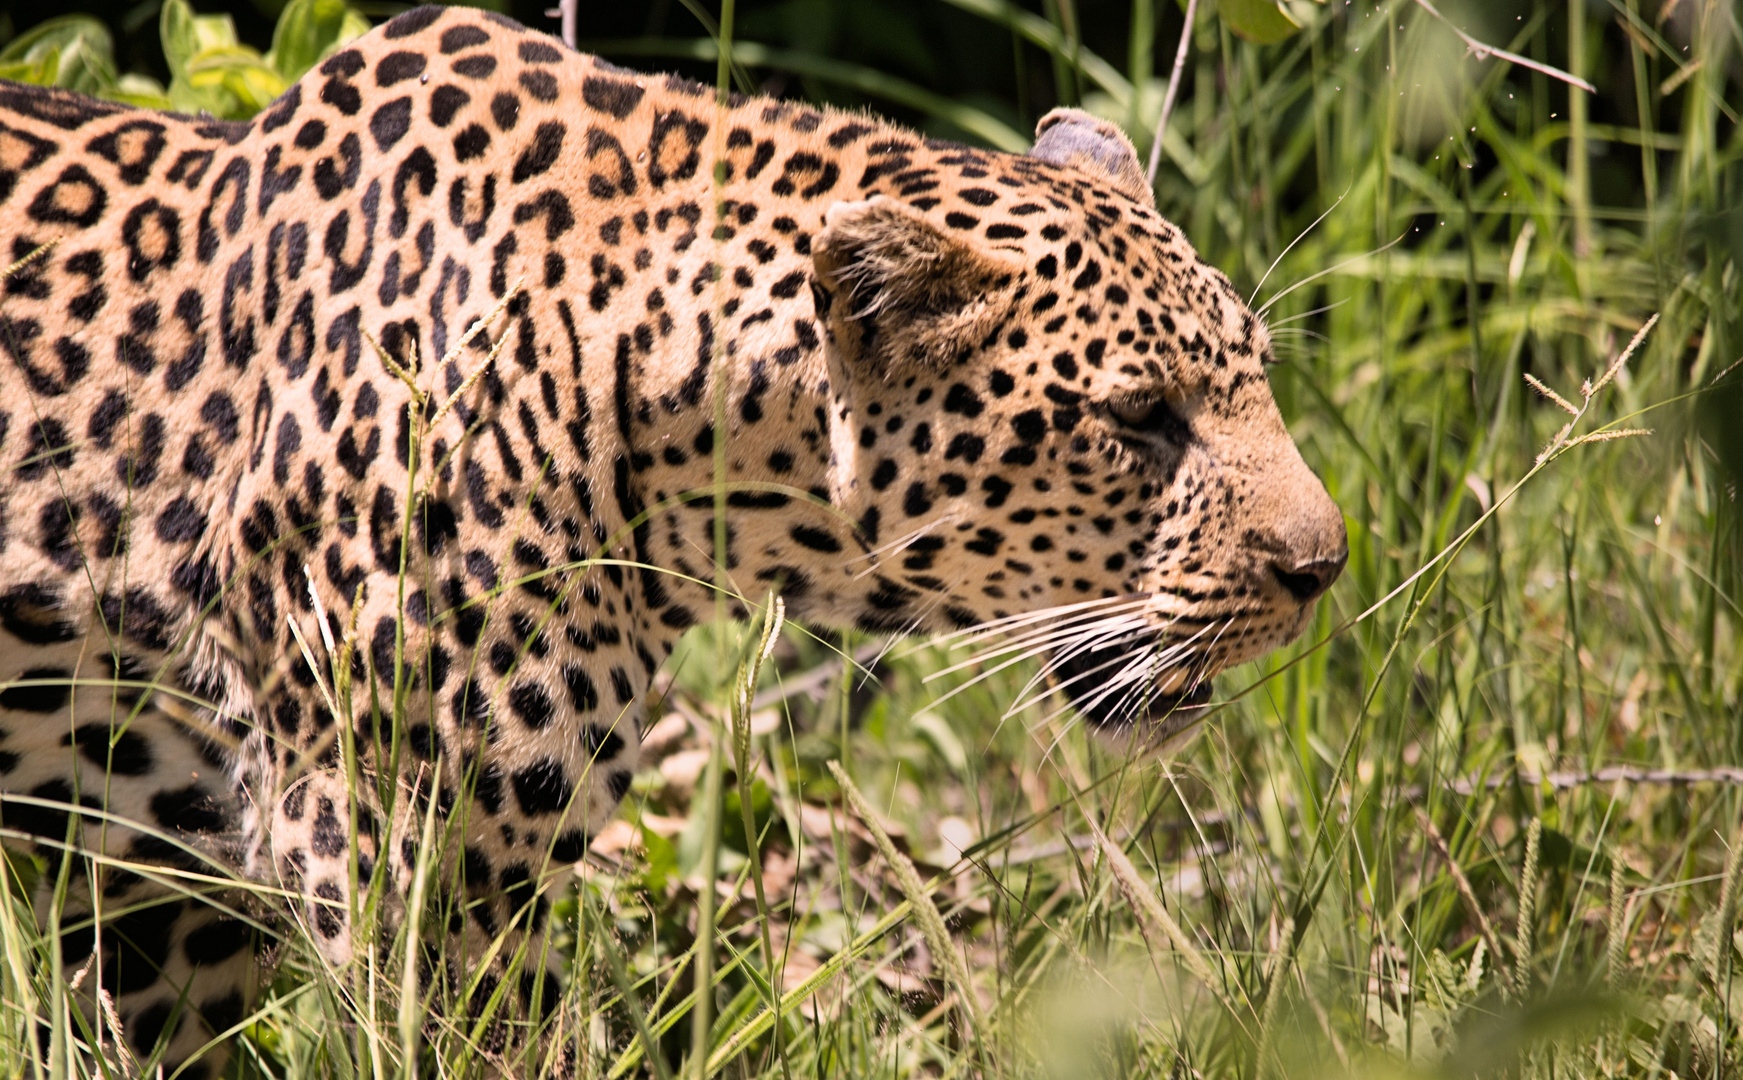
{"type": "Point", "coordinates": [1463, 884]}
{"type": "Point", "coordinates": [41, 250]}
{"type": "Point", "coordinates": [1482, 51]}
{"type": "Point", "coordinates": [1173, 86]}
{"type": "Point", "coordinates": [1155, 921]}
{"type": "Point", "coordinates": [1464, 786]}
{"type": "Point", "coordinates": [1610, 774]}
{"type": "Point", "coordinates": [932, 929]}
{"type": "Point", "coordinates": [565, 10]}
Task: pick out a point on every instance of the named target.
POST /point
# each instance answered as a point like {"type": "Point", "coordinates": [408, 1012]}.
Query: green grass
{"type": "Point", "coordinates": [1485, 818]}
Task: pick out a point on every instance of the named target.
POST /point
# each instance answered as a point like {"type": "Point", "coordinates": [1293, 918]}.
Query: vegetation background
{"type": "Point", "coordinates": [1483, 819]}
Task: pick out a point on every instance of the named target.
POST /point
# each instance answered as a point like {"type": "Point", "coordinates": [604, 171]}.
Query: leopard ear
{"type": "Point", "coordinates": [1075, 138]}
{"type": "Point", "coordinates": [893, 287]}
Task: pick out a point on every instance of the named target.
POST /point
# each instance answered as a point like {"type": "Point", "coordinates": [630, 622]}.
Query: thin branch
{"type": "Point", "coordinates": [1173, 86]}
{"type": "Point", "coordinates": [1463, 787]}
{"type": "Point", "coordinates": [1462, 883]}
{"type": "Point", "coordinates": [1483, 51]}
{"type": "Point", "coordinates": [564, 11]}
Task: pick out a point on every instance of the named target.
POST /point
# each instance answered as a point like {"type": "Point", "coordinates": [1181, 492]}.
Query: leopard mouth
{"type": "Point", "coordinates": [1116, 701]}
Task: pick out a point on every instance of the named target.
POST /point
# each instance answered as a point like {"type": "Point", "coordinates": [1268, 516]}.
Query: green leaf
{"type": "Point", "coordinates": [76, 48]}
{"type": "Point", "coordinates": [39, 72]}
{"type": "Point", "coordinates": [660, 862]}
{"type": "Point", "coordinates": [356, 24]}
{"type": "Point", "coordinates": [186, 35]}
{"type": "Point", "coordinates": [175, 27]}
{"type": "Point", "coordinates": [232, 82]}
{"type": "Point", "coordinates": [141, 90]}
{"type": "Point", "coordinates": [1262, 22]}
{"type": "Point", "coordinates": [939, 732]}
{"type": "Point", "coordinates": [307, 31]}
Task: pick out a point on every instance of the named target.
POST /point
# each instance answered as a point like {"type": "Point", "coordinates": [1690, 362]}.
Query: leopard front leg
{"type": "Point", "coordinates": [313, 842]}
{"type": "Point", "coordinates": [493, 827]}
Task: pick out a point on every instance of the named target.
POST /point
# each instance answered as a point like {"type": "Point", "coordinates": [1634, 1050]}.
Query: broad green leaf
{"type": "Point", "coordinates": [38, 72]}
{"type": "Point", "coordinates": [214, 31]}
{"type": "Point", "coordinates": [354, 26]}
{"type": "Point", "coordinates": [660, 859]}
{"type": "Point", "coordinates": [1262, 22]}
{"type": "Point", "coordinates": [175, 26]}
{"type": "Point", "coordinates": [142, 90]}
{"type": "Point", "coordinates": [232, 82]}
{"type": "Point", "coordinates": [82, 52]}
{"type": "Point", "coordinates": [186, 35]}
{"type": "Point", "coordinates": [307, 31]}
{"type": "Point", "coordinates": [54, 34]}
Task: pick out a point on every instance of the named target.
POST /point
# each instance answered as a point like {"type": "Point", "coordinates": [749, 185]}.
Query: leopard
{"type": "Point", "coordinates": [361, 464]}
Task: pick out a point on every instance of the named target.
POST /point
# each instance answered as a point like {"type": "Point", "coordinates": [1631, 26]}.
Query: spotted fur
{"type": "Point", "coordinates": [959, 386]}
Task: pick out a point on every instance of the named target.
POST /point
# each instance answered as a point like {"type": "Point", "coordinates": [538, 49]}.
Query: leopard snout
{"type": "Point", "coordinates": [1308, 581]}
{"type": "Point", "coordinates": [1314, 547]}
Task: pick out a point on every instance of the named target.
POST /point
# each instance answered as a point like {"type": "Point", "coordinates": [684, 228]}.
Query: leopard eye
{"type": "Point", "coordinates": [1151, 416]}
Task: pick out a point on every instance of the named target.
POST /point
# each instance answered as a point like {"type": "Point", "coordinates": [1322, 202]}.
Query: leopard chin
{"type": "Point", "coordinates": [1126, 704]}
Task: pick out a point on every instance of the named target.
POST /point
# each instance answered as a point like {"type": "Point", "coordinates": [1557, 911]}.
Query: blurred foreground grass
{"type": "Point", "coordinates": [1483, 820]}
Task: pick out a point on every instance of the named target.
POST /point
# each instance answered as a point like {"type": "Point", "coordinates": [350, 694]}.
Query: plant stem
{"type": "Point", "coordinates": [1173, 87]}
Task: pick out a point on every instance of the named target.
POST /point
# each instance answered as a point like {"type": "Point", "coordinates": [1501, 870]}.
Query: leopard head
{"type": "Point", "coordinates": [1060, 417]}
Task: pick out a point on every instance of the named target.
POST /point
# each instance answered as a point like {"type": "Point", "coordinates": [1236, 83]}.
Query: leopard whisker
{"type": "Point", "coordinates": [914, 624]}
{"type": "Point", "coordinates": [897, 546]}
{"type": "Point", "coordinates": [994, 670]}
{"type": "Point", "coordinates": [1139, 684]}
{"type": "Point", "coordinates": [1065, 655]}
{"type": "Point", "coordinates": [1004, 623]}
{"type": "Point", "coordinates": [1136, 682]}
{"type": "Point", "coordinates": [1138, 676]}
{"type": "Point", "coordinates": [1299, 331]}
{"type": "Point", "coordinates": [1291, 247]}
{"type": "Point", "coordinates": [1044, 621]}
{"type": "Point", "coordinates": [1159, 660]}
{"type": "Point", "coordinates": [1060, 655]}
{"type": "Point", "coordinates": [1308, 314]}
{"type": "Point", "coordinates": [1014, 652]}
{"type": "Point", "coordinates": [1311, 278]}
{"type": "Point", "coordinates": [1071, 624]}
{"type": "Point", "coordinates": [1042, 641]}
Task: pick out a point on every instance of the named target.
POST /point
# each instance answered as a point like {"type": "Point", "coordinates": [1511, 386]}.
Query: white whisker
{"type": "Point", "coordinates": [914, 624]}
{"type": "Point", "coordinates": [1291, 247]}
{"type": "Point", "coordinates": [1042, 638]}
{"type": "Point", "coordinates": [1141, 672]}
{"type": "Point", "coordinates": [1046, 613]}
{"type": "Point", "coordinates": [1081, 645]}
{"type": "Point", "coordinates": [1296, 330]}
{"type": "Point", "coordinates": [897, 546]}
{"type": "Point", "coordinates": [1004, 624]}
{"type": "Point", "coordinates": [1161, 660]}
{"type": "Point", "coordinates": [1311, 278]}
{"type": "Point", "coordinates": [1308, 314]}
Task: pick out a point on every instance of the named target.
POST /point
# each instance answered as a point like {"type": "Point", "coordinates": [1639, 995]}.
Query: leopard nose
{"type": "Point", "coordinates": [1307, 581]}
